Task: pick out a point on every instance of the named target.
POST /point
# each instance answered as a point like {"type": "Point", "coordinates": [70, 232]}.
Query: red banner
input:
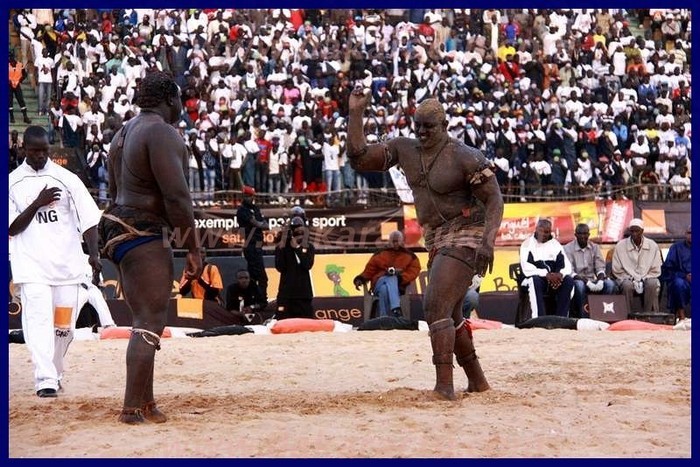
{"type": "Point", "coordinates": [607, 220]}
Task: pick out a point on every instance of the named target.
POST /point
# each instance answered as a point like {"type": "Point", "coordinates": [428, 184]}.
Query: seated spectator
{"type": "Point", "coordinates": [207, 286]}
{"type": "Point", "coordinates": [244, 295]}
{"type": "Point", "coordinates": [471, 298]}
{"type": "Point", "coordinates": [680, 184]}
{"type": "Point", "coordinates": [547, 271]}
{"type": "Point", "coordinates": [390, 271]}
{"type": "Point", "coordinates": [649, 181]}
{"type": "Point", "coordinates": [92, 293]}
{"type": "Point", "coordinates": [636, 266]}
{"type": "Point", "coordinates": [588, 270]}
{"type": "Point", "coordinates": [676, 275]}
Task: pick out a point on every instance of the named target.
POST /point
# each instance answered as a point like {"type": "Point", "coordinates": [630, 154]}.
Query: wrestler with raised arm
{"type": "Point", "coordinates": [459, 206]}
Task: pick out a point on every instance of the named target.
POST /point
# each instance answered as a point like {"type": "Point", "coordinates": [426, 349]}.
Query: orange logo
{"type": "Point", "coordinates": [62, 317]}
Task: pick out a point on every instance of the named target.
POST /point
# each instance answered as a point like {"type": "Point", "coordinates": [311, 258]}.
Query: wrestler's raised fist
{"type": "Point", "coordinates": [359, 98]}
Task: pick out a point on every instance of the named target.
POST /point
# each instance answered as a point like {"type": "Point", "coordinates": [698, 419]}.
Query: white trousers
{"type": "Point", "coordinates": [48, 323]}
{"type": "Point", "coordinates": [93, 296]}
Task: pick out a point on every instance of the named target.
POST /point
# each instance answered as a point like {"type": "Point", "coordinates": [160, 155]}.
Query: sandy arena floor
{"type": "Point", "coordinates": [556, 393]}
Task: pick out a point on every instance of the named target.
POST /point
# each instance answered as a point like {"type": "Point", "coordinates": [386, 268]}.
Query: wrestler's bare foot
{"type": "Point", "coordinates": [481, 387]}
{"type": "Point", "coordinates": [131, 416]}
{"type": "Point", "coordinates": [445, 392]}
{"type": "Point", "coordinates": [152, 414]}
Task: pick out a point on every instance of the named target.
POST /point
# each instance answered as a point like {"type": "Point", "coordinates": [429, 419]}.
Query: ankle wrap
{"type": "Point", "coordinates": [147, 336]}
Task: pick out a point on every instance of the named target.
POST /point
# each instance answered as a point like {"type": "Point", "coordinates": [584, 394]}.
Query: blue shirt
{"type": "Point", "coordinates": [677, 263]}
{"type": "Point", "coordinates": [621, 132]}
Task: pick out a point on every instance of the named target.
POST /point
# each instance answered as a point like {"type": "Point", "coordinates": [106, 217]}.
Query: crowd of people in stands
{"type": "Point", "coordinates": [566, 102]}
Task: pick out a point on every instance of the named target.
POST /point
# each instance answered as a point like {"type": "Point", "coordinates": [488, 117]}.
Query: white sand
{"type": "Point", "coordinates": [556, 393]}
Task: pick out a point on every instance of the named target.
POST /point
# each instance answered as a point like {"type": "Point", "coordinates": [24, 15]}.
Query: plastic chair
{"type": "Point", "coordinates": [370, 304]}
{"type": "Point", "coordinates": [524, 311]}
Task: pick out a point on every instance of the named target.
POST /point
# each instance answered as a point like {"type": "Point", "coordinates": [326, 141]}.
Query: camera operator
{"type": "Point", "coordinates": [390, 271]}
{"type": "Point", "coordinates": [294, 258]}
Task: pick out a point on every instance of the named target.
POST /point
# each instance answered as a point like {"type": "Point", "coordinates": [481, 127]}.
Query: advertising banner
{"type": "Point", "coordinates": [350, 228]}
{"type": "Point", "coordinates": [335, 296]}
{"type": "Point", "coordinates": [361, 229]}
{"type": "Point", "coordinates": [664, 220]}
{"type": "Point", "coordinates": [606, 220]}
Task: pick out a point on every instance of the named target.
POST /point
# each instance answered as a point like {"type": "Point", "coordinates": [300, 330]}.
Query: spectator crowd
{"type": "Point", "coordinates": [567, 103]}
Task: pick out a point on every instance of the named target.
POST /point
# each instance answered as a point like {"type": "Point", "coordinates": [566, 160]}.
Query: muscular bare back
{"type": "Point", "coordinates": [145, 155]}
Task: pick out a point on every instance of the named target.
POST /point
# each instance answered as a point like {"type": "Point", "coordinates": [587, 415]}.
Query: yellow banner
{"type": "Point", "coordinates": [332, 275]}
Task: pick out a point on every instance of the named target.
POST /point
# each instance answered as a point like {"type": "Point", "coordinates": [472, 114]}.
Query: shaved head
{"type": "Point", "coordinates": [431, 108]}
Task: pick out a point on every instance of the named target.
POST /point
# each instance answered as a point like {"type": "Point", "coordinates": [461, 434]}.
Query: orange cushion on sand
{"type": "Point", "coordinates": [292, 325]}
{"type": "Point", "coordinates": [636, 325]}
{"type": "Point", "coordinates": [124, 332]}
{"type": "Point", "coordinates": [479, 323]}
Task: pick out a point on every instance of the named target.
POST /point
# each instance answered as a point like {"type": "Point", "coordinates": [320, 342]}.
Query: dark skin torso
{"type": "Point", "coordinates": [438, 170]}
{"type": "Point", "coordinates": [147, 171]}
{"type": "Point", "coordinates": [143, 190]}
{"type": "Point", "coordinates": [447, 176]}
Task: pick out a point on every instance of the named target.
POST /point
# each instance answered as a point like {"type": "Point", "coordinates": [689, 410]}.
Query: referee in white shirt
{"type": "Point", "coordinates": [49, 210]}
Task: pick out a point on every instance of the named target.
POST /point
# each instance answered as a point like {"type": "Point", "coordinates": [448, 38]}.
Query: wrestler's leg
{"type": "Point", "coordinates": [147, 274]}
{"type": "Point", "coordinates": [467, 358]}
{"type": "Point", "coordinates": [464, 341]}
{"type": "Point", "coordinates": [445, 291]}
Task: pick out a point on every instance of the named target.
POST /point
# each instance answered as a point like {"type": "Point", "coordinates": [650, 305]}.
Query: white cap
{"type": "Point", "coordinates": [636, 222]}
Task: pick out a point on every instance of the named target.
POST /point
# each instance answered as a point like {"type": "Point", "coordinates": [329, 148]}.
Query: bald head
{"type": "Point", "coordinates": [431, 125]}
{"type": "Point", "coordinates": [431, 108]}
